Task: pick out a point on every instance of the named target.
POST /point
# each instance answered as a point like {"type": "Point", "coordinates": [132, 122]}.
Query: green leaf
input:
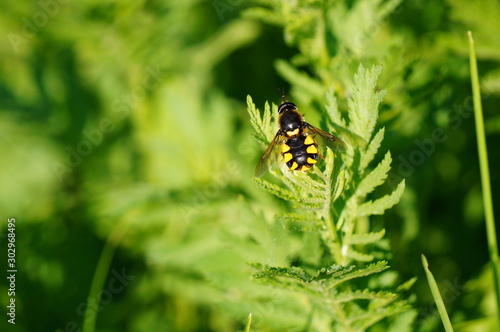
{"type": "Point", "coordinates": [370, 317]}
{"type": "Point", "coordinates": [437, 296]}
{"type": "Point", "coordinates": [363, 106]}
{"type": "Point", "coordinates": [275, 190]}
{"type": "Point", "coordinates": [332, 109]}
{"type": "Point", "coordinates": [358, 273]}
{"type": "Point", "coordinates": [314, 186]}
{"type": "Point", "coordinates": [249, 322]}
{"type": "Point", "coordinates": [294, 217]}
{"type": "Point", "coordinates": [378, 207]}
{"type": "Point", "coordinates": [339, 186]}
{"type": "Point", "coordinates": [485, 174]}
{"type": "Point", "coordinates": [256, 120]}
{"type": "Point", "coordinates": [367, 238]}
{"type": "Point", "coordinates": [351, 253]}
{"type": "Point", "coordinates": [270, 125]}
{"type": "Point", "coordinates": [404, 322]}
{"type": "Point", "coordinates": [407, 285]}
{"type": "Point", "coordinates": [307, 222]}
{"type": "Point", "coordinates": [285, 272]}
{"type": "Point", "coordinates": [356, 24]}
{"type": "Point", "coordinates": [314, 203]}
{"type": "Point", "coordinates": [365, 294]}
{"type": "Point", "coordinates": [375, 178]}
{"type": "Point", "coordinates": [371, 149]}
{"type": "Point", "coordinates": [333, 271]}
{"type": "Point", "coordinates": [261, 139]}
{"type": "Point", "coordinates": [264, 131]}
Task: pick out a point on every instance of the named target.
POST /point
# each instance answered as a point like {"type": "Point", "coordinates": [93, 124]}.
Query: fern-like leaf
{"type": "Point", "coordinates": [356, 255]}
{"type": "Point", "coordinates": [363, 107]}
{"type": "Point", "coordinates": [407, 284]}
{"type": "Point", "coordinates": [375, 178]}
{"type": "Point", "coordinates": [333, 271]}
{"type": "Point", "coordinates": [303, 222]}
{"type": "Point", "coordinates": [371, 149]}
{"type": "Point", "coordinates": [314, 203]}
{"type": "Point", "coordinates": [292, 272]}
{"type": "Point", "coordinates": [262, 125]}
{"type": "Point", "coordinates": [294, 217]}
{"type": "Point", "coordinates": [335, 200]}
{"type": "Point", "coordinates": [367, 238]}
{"type": "Point", "coordinates": [370, 317]}
{"type": "Point", "coordinates": [275, 190]}
{"type": "Point", "coordinates": [255, 120]}
{"type": "Point", "coordinates": [379, 206]}
{"type": "Point", "coordinates": [358, 273]}
{"type": "Point", "coordinates": [365, 294]}
{"type": "Point", "coordinates": [332, 109]}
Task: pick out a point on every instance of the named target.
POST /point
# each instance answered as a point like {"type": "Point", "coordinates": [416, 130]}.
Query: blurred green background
{"type": "Point", "coordinates": [127, 157]}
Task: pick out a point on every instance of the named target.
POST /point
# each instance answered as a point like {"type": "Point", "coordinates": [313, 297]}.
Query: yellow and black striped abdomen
{"type": "Point", "coordinates": [300, 152]}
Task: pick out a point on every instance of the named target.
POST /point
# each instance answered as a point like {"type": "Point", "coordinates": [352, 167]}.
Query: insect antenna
{"type": "Point", "coordinates": [282, 92]}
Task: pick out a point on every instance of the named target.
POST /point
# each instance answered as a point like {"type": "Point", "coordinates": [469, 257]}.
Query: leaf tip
{"type": "Point", "coordinates": [424, 262]}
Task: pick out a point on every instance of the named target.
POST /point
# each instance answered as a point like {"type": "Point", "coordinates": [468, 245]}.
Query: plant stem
{"type": "Point", "coordinates": [485, 173]}
{"type": "Point", "coordinates": [335, 240]}
{"type": "Point", "coordinates": [330, 224]}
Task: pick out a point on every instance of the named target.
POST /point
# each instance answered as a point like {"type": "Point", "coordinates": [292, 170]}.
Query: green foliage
{"type": "Point", "coordinates": [328, 291]}
{"type": "Point", "coordinates": [335, 203]}
{"type": "Point", "coordinates": [127, 148]}
{"type": "Point", "coordinates": [363, 106]}
{"type": "Point", "coordinates": [319, 193]}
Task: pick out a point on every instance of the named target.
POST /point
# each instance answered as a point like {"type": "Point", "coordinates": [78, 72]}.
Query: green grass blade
{"type": "Point", "coordinates": [485, 173]}
{"type": "Point", "coordinates": [102, 269]}
{"type": "Point", "coordinates": [437, 296]}
{"type": "Point", "coordinates": [249, 322]}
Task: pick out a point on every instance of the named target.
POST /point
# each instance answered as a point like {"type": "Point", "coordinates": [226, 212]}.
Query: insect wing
{"type": "Point", "coordinates": [264, 162]}
{"type": "Point", "coordinates": [331, 141]}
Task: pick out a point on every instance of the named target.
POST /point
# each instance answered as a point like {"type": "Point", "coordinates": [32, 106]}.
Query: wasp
{"type": "Point", "coordinates": [296, 139]}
